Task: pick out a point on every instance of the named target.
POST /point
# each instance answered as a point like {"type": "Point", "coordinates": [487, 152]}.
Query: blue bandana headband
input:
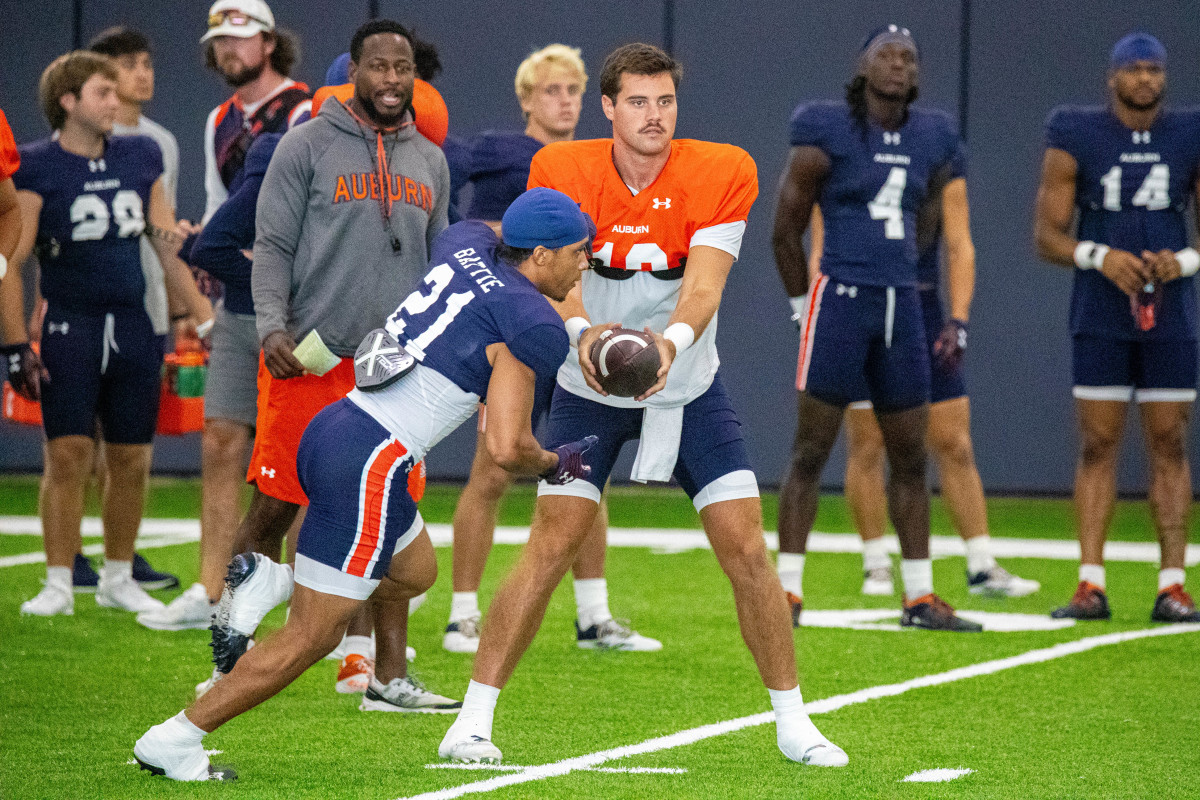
{"type": "Point", "coordinates": [888, 34]}
{"type": "Point", "coordinates": [1136, 47]}
{"type": "Point", "coordinates": [543, 217]}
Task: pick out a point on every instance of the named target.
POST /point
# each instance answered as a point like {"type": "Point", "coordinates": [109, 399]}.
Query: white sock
{"type": "Point", "coordinates": [791, 573]}
{"type": "Point", "coordinates": [116, 570]}
{"type": "Point", "coordinates": [875, 554]}
{"type": "Point", "coordinates": [979, 554]}
{"type": "Point", "coordinates": [358, 646]}
{"type": "Point", "coordinates": [479, 704]}
{"type": "Point", "coordinates": [59, 576]}
{"type": "Point", "coordinates": [791, 720]}
{"type": "Point", "coordinates": [183, 729]}
{"type": "Point", "coordinates": [917, 574]}
{"type": "Point", "coordinates": [1169, 577]}
{"type": "Point", "coordinates": [591, 602]}
{"type": "Point", "coordinates": [1092, 573]}
{"type": "Point", "coordinates": [464, 605]}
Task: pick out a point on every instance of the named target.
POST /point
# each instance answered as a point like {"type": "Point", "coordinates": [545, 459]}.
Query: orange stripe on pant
{"type": "Point", "coordinates": [806, 338]}
{"type": "Point", "coordinates": [372, 506]}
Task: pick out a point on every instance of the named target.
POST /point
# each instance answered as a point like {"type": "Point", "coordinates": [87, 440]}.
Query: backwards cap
{"type": "Point", "coordinates": [1135, 47]}
{"type": "Point", "coordinates": [543, 217]}
{"type": "Point", "coordinates": [239, 18]}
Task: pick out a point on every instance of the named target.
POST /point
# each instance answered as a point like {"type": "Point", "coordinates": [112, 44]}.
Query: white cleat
{"type": "Point", "coordinates": [51, 601]}
{"type": "Point", "coordinates": [878, 582]}
{"type": "Point", "coordinates": [406, 694]}
{"type": "Point", "coordinates": [468, 749]}
{"type": "Point", "coordinates": [159, 753]}
{"type": "Point", "coordinates": [462, 635]}
{"type": "Point", "coordinates": [189, 611]}
{"type": "Point", "coordinates": [799, 740]}
{"type": "Point", "coordinates": [614, 635]}
{"type": "Point", "coordinates": [124, 594]}
{"type": "Point", "coordinates": [999, 582]}
{"type": "Point", "coordinates": [254, 585]}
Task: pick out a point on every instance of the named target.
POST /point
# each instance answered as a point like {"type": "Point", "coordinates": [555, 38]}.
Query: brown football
{"type": "Point", "coordinates": [626, 361]}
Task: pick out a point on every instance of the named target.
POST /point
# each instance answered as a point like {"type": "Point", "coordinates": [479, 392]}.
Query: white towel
{"type": "Point", "coordinates": [658, 449]}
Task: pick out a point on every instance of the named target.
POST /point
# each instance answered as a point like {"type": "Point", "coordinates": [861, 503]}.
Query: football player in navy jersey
{"type": "Point", "coordinates": [870, 163]}
{"type": "Point", "coordinates": [1130, 170]}
{"type": "Point", "coordinates": [86, 200]}
{"type": "Point", "coordinates": [478, 328]}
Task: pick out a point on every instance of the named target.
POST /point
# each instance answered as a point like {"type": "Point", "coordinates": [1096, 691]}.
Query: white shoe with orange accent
{"type": "Point", "coordinates": [354, 675]}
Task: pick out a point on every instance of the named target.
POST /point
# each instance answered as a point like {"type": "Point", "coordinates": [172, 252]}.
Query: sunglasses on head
{"type": "Point", "coordinates": [237, 18]}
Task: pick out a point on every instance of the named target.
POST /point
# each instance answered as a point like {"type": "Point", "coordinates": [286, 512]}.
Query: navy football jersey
{"type": "Point", "coordinates": [499, 171]}
{"type": "Point", "coordinates": [1132, 189]}
{"type": "Point", "coordinates": [92, 219]}
{"type": "Point", "coordinates": [469, 300]}
{"type": "Point", "coordinates": [875, 187]}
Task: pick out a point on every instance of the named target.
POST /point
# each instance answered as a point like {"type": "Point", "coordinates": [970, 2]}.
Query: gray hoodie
{"type": "Point", "coordinates": [324, 258]}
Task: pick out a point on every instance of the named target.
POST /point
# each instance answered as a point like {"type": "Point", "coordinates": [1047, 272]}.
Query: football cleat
{"type": "Point", "coordinates": [999, 582]}
{"type": "Point", "coordinates": [934, 614]}
{"type": "Point", "coordinates": [156, 753]}
{"type": "Point", "coordinates": [254, 585]}
{"type": "Point", "coordinates": [462, 636]}
{"type": "Point", "coordinates": [149, 578]}
{"type": "Point", "coordinates": [1173, 604]}
{"type": "Point", "coordinates": [408, 695]}
{"type": "Point", "coordinates": [125, 595]}
{"type": "Point", "coordinates": [1088, 602]}
{"type": "Point", "coordinates": [189, 611]}
{"type": "Point", "coordinates": [800, 741]}
{"type": "Point", "coordinates": [51, 601]}
{"type": "Point", "coordinates": [354, 674]}
{"type": "Point", "coordinates": [84, 578]}
{"type": "Point", "coordinates": [797, 606]}
{"type": "Point", "coordinates": [878, 582]}
{"type": "Point", "coordinates": [471, 750]}
{"type": "Point", "coordinates": [614, 635]}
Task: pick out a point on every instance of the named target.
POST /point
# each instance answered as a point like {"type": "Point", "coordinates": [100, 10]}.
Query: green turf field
{"type": "Point", "coordinates": [1118, 720]}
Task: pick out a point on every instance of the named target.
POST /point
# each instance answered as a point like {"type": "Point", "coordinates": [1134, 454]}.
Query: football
{"type": "Point", "coordinates": [626, 361]}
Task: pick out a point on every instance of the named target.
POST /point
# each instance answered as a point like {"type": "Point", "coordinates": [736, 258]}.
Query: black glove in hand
{"type": "Point", "coordinates": [951, 344]}
{"type": "Point", "coordinates": [570, 462]}
{"type": "Point", "coordinates": [24, 370]}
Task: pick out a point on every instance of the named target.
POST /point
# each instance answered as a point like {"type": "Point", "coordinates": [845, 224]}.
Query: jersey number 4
{"type": "Point", "coordinates": [419, 303]}
{"type": "Point", "coordinates": [91, 219]}
{"type": "Point", "coordinates": [1153, 195]}
{"type": "Point", "coordinates": [886, 205]}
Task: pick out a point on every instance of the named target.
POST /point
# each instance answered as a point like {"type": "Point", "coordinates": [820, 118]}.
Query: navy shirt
{"type": "Point", "coordinates": [499, 171]}
{"type": "Point", "coordinates": [875, 187]}
{"type": "Point", "coordinates": [1132, 189]}
{"type": "Point", "coordinates": [469, 300]}
{"type": "Point", "coordinates": [92, 219]}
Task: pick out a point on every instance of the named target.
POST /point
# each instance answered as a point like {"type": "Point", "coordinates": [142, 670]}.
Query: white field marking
{"type": "Point", "coordinates": [823, 706]}
{"type": "Point", "coordinates": [515, 768]}
{"type": "Point", "coordinates": [871, 619]}
{"type": "Point", "coordinates": [678, 540]}
{"type": "Point", "coordinates": [936, 775]}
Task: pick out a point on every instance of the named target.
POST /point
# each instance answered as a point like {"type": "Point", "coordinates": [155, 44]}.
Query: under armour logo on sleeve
{"type": "Point", "coordinates": [270, 473]}
{"type": "Point", "coordinates": [54, 327]}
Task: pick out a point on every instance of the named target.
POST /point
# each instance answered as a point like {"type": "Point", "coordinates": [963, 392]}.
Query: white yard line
{"type": "Point", "coordinates": [671, 540]}
{"type": "Point", "coordinates": [823, 706]}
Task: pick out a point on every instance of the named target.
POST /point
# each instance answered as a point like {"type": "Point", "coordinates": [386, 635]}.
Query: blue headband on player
{"type": "Point", "coordinates": [543, 217]}
{"type": "Point", "coordinates": [1136, 47]}
{"type": "Point", "coordinates": [339, 71]}
{"type": "Point", "coordinates": [888, 34]}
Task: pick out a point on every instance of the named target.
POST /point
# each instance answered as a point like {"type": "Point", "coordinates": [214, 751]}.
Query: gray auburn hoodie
{"type": "Point", "coordinates": [323, 258]}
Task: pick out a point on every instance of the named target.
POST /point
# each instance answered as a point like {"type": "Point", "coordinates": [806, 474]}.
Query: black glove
{"type": "Point", "coordinates": [24, 370]}
{"type": "Point", "coordinates": [951, 344]}
{"type": "Point", "coordinates": [570, 462]}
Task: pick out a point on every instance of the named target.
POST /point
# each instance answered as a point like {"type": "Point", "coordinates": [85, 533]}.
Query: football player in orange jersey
{"type": "Point", "coordinates": [10, 212]}
{"type": "Point", "coordinates": [670, 216]}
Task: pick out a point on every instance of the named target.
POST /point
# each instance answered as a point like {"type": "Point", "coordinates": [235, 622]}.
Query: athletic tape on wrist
{"type": "Point", "coordinates": [575, 327]}
{"type": "Point", "coordinates": [1189, 261]}
{"type": "Point", "coordinates": [681, 334]}
{"type": "Point", "coordinates": [1089, 255]}
{"type": "Point", "coordinates": [799, 306]}
{"type": "Point", "coordinates": [4, 265]}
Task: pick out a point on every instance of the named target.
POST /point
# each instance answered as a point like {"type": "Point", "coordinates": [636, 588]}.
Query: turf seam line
{"type": "Point", "coordinates": [824, 706]}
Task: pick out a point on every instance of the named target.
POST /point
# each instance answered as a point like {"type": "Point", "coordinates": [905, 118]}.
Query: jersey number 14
{"type": "Point", "coordinates": [886, 205]}
{"type": "Point", "coordinates": [1153, 195]}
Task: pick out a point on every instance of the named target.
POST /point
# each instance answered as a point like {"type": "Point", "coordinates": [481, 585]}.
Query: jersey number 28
{"type": "Point", "coordinates": [91, 219]}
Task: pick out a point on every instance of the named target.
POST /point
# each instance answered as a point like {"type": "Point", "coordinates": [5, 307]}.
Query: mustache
{"type": "Point", "coordinates": [653, 127]}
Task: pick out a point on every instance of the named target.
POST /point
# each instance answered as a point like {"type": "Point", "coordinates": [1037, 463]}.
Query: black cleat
{"type": "Point", "coordinates": [932, 613]}
{"type": "Point", "coordinates": [149, 578]}
{"type": "Point", "coordinates": [1088, 602]}
{"type": "Point", "coordinates": [84, 578]}
{"type": "Point", "coordinates": [1173, 604]}
{"type": "Point", "coordinates": [227, 644]}
{"type": "Point", "coordinates": [797, 605]}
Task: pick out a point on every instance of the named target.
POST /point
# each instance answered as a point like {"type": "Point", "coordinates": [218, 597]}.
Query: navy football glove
{"type": "Point", "coordinates": [570, 462]}
{"type": "Point", "coordinates": [24, 370]}
{"type": "Point", "coordinates": [951, 344]}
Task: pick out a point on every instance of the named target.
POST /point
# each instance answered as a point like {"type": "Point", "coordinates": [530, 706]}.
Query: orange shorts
{"type": "Point", "coordinates": [285, 407]}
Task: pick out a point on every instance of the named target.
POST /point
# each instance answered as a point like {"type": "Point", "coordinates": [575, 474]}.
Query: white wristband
{"type": "Point", "coordinates": [4, 265]}
{"type": "Point", "coordinates": [681, 334]}
{"type": "Point", "coordinates": [575, 327]}
{"type": "Point", "coordinates": [799, 306]}
{"type": "Point", "coordinates": [1189, 261]}
{"type": "Point", "coordinates": [1089, 255]}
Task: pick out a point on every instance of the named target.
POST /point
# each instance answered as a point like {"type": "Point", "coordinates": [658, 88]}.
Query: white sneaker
{"type": "Point", "coordinates": [124, 593]}
{"type": "Point", "coordinates": [205, 685]}
{"type": "Point", "coordinates": [51, 601]}
{"type": "Point", "coordinates": [189, 611]}
{"type": "Point", "coordinates": [878, 582]}
{"type": "Point", "coordinates": [999, 582]}
{"type": "Point", "coordinates": [614, 635]}
{"type": "Point", "coordinates": [254, 585]}
{"type": "Point", "coordinates": [162, 754]}
{"type": "Point", "coordinates": [801, 741]}
{"type": "Point", "coordinates": [406, 694]}
{"type": "Point", "coordinates": [468, 749]}
{"type": "Point", "coordinates": [462, 635]}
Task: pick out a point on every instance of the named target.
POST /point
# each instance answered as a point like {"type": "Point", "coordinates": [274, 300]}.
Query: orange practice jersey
{"type": "Point", "coordinates": [433, 120]}
{"type": "Point", "coordinates": [703, 184]}
{"type": "Point", "coordinates": [10, 159]}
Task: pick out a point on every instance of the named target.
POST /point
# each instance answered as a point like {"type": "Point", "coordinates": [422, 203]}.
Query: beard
{"type": "Point", "coordinates": [383, 119]}
{"type": "Point", "coordinates": [1128, 101]}
{"type": "Point", "coordinates": [245, 75]}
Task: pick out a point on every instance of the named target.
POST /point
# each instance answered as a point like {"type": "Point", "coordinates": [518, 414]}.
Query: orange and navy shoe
{"type": "Point", "coordinates": [797, 604]}
{"type": "Point", "coordinates": [1088, 602]}
{"type": "Point", "coordinates": [1173, 604]}
{"type": "Point", "coordinates": [354, 674]}
{"type": "Point", "coordinates": [934, 614]}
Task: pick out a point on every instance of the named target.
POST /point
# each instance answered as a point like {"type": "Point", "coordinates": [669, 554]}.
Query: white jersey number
{"type": "Point", "coordinates": [639, 254]}
{"type": "Point", "coordinates": [91, 216]}
{"type": "Point", "coordinates": [1153, 195]}
{"type": "Point", "coordinates": [886, 205]}
{"type": "Point", "coordinates": [418, 303]}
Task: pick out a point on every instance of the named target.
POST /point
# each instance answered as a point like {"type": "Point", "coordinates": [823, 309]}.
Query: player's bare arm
{"type": "Point", "coordinates": [1055, 211]}
{"type": "Point", "coordinates": [510, 440]}
{"type": "Point", "coordinates": [816, 244]}
{"type": "Point", "coordinates": [799, 188]}
{"type": "Point", "coordinates": [1166, 264]}
{"type": "Point", "coordinates": [10, 219]}
{"type": "Point", "coordinates": [960, 250]}
{"type": "Point", "coordinates": [26, 379]}
{"type": "Point", "coordinates": [181, 289]}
